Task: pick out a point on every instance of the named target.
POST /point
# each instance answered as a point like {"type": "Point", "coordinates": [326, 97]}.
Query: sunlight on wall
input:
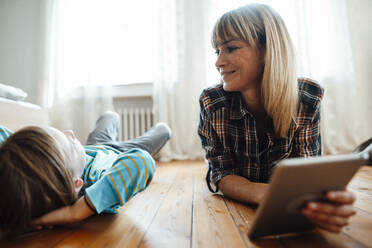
{"type": "Point", "coordinates": [99, 42]}
{"type": "Point", "coordinates": [113, 42]}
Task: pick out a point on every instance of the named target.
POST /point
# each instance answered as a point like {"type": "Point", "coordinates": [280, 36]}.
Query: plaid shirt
{"type": "Point", "coordinates": [228, 134]}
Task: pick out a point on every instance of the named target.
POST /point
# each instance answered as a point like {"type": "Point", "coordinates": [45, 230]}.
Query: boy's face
{"type": "Point", "coordinates": [71, 149]}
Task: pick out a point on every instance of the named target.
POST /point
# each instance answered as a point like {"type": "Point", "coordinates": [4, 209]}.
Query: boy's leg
{"type": "Point", "coordinates": [151, 141]}
{"type": "Point", "coordinates": [106, 129]}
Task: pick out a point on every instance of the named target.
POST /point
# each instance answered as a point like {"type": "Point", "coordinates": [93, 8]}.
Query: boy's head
{"type": "Point", "coordinates": [40, 170]}
{"type": "Point", "coordinates": [72, 152]}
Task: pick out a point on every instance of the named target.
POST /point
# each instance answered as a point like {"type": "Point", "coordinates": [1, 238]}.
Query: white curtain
{"type": "Point", "coordinates": [181, 75]}
{"type": "Point", "coordinates": [321, 33]}
{"type": "Point", "coordinates": [94, 44]}
{"type": "Point", "coordinates": [80, 58]}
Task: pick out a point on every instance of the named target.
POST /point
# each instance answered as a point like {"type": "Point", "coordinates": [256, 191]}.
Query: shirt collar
{"type": "Point", "coordinates": [238, 109]}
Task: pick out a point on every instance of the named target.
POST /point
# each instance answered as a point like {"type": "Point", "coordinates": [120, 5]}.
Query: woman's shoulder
{"type": "Point", "coordinates": [215, 97]}
{"type": "Point", "coordinates": [310, 92]}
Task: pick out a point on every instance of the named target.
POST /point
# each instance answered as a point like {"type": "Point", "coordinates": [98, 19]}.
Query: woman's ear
{"type": "Point", "coordinates": [78, 183]}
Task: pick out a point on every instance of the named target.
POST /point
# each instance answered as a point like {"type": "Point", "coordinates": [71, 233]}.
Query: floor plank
{"type": "Point", "coordinates": [321, 239]}
{"type": "Point", "coordinates": [365, 173]}
{"type": "Point", "coordinates": [363, 200]}
{"type": "Point", "coordinates": [362, 184]}
{"type": "Point", "coordinates": [360, 228]}
{"type": "Point", "coordinates": [171, 226]}
{"type": "Point", "coordinates": [213, 225]}
{"type": "Point", "coordinates": [362, 188]}
{"type": "Point", "coordinates": [138, 214]}
{"type": "Point", "coordinates": [243, 216]}
{"type": "Point", "coordinates": [41, 238]}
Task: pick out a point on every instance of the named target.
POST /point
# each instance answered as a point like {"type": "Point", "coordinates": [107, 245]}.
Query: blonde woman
{"type": "Point", "coordinates": [261, 112]}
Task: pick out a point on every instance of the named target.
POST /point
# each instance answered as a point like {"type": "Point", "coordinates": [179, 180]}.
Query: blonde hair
{"type": "Point", "coordinates": [33, 178]}
{"type": "Point", "coordinates": [263, 28]}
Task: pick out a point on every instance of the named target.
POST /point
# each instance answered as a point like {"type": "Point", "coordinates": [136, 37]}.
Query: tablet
{"type": "Point", "coordinates": [297, 181]}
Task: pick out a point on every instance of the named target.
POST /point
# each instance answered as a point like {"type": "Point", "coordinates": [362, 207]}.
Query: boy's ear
{"type": "Point", "coordinates": [78, 183]}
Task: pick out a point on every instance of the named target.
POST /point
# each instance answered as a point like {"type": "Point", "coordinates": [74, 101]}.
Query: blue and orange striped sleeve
{"type": "Point", "coordinates": [4, 134]}
{"type": "Point", "coordinates": [130, 173]}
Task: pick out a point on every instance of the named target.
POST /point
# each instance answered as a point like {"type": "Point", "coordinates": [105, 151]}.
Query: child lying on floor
{"type": "Point", "coordinates": [47, 177]}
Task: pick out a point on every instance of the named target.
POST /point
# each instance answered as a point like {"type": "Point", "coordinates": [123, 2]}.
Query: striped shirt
{"type": "Point", "coordinates": [229, 136]}
{"type": "Point", "coordinates": [111, 177]}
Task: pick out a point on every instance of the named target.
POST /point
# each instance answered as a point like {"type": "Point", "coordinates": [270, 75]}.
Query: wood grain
{"type": "Point", "coordinates": [213, 225]}
{"type": "Point", "coordinates": [177, 210]}
{"type": "Point", "coordinates": [171, 226]}
{"type": "Point", "coordinates": [360, 228]}
{"type": "Point", "coordinates": [362, 188]}
{"type": "Point", "coordinates": [319, 238]}
{"type": "Point", "coordinates": [243, 216]}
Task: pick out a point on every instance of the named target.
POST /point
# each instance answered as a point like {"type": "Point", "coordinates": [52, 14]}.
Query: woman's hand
{"type": "Point", "coordinates": [65, 215]}
{"type": "Point", "coordinates": [334, 215]}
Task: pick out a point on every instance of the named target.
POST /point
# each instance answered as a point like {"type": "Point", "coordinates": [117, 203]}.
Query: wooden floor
{"type": "Point", "coordinates": [177, 210]}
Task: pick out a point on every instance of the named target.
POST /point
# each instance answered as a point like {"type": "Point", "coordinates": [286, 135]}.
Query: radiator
{"type": "Point", "coordinates": [134, 121]}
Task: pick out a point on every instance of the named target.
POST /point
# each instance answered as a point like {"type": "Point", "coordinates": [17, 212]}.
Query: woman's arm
{"type": "Point", "coordinates": [220, 161]}
{"type": "Point", "coordinates": [65, 215]}
{"type": "Point", "coordinates": [241, 189]}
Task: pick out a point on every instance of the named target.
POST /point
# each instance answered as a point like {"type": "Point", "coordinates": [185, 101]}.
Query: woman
{"type": "Point", "coordinates": [261, 113]}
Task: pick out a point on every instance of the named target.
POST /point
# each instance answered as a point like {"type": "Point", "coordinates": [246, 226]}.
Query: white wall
{"type": "Point", "coordinates": [360, 20]}
{"type": "Point", "coordinates": [21, 45]}
{"type": "Point", "coordinates": [360, 24]}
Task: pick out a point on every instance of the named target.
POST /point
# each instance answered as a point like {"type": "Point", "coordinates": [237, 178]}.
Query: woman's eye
{"type": "Point", "coordinates": [217, 52]}
{"type": "Point", "coordinates": [230, 49]}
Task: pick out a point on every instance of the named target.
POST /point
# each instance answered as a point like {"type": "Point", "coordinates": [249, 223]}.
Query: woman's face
{"type": "Point", "coordinates": [240, 65]}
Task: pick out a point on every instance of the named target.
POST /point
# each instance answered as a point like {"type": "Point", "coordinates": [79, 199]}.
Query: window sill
{"type": "Point", "coordinates": [133, 90]}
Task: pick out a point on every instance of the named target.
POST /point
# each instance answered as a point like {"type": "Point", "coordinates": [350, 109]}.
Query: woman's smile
{"type": "Point", "coordinates": [226, 74]}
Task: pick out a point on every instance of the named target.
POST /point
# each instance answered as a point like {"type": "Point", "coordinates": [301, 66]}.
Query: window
{"type": "Point", "coordinates": [104, 42]}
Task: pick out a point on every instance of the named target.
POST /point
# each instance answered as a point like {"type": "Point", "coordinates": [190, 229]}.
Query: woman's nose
{"type": "Point", "coordinates": [220, 62]}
